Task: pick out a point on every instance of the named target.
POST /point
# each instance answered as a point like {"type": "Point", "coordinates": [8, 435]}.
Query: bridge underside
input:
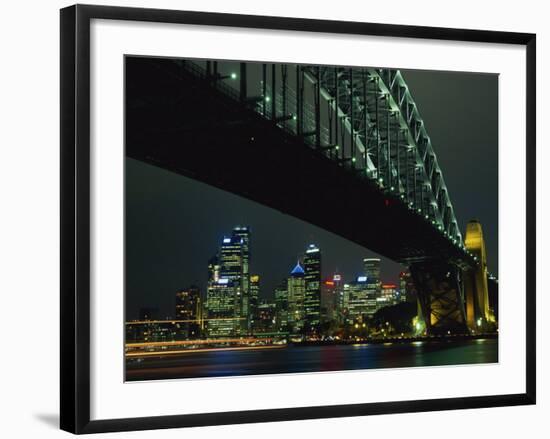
{"type": "Point", "coordinates": [180, 123]}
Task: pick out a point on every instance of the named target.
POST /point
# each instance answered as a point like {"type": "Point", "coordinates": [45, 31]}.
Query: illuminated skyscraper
{"type": "Point", "coordinates": [243, 232]}
{"type": "Point", "coordinates": [330, 295]}
{"type": "Point", "coordinates": [361, 301]}
{"type": "Point", "coordinates": [296, 287]}
{"type": "Point", "coordinates": [253, 301]}
{"type": "Point", "coordinates": [312, 299]}
{"type": "Point", "coordinates": [213, 269]}
{"type": "Point", "coordinates": [372, 275]}
{"type": "Point", "coordinates": [266, 319]}
{"type": "Point", "coordinates": [189, 311]}
{"type": "Point", "coordinates": [221, 308]}
{"type": "Point", "coordinates": [281, 308]}
{"type": "Point", "coordinates": [372, 270]}
{"type": "Point", "coordinates": [390, 295]}
{"type": "Point", "coordinates": [234, 259]}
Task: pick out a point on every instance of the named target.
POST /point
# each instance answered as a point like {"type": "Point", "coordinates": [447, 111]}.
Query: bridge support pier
{"type": "Point", "coordinates": [440, 295]}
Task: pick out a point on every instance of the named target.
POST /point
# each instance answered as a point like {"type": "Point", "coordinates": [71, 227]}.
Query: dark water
{"type": "Point", "coordinates": [294, 359]}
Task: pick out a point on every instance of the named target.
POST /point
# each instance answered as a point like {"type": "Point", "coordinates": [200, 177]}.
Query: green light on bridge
{"type": "Point", "coordinates": [233, 76]}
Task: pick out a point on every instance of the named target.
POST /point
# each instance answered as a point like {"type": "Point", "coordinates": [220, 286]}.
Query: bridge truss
{"type": "Point", "coordinates": [366, 119]}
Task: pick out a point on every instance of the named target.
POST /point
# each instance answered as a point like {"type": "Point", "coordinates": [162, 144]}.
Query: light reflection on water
{"type": "Point", "coordinates": [293, 359]}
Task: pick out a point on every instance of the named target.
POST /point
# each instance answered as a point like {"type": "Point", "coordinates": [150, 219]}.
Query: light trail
{"type": "Point", "coordinates": [191, 342]}
{"type": "Point", "coordinates": [194, 351]}
{"type": "Point", "coordinates": [145, 322]}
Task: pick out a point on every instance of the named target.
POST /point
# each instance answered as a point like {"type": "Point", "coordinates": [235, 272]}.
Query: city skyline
{"type": "Point", "coordinates": [306, 303]}
{"type": "Point", "coordinates": [271, 274]}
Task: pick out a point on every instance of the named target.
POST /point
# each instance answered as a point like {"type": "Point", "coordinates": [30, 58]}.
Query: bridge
{"type": "Point", "coordinates": [343, 148]}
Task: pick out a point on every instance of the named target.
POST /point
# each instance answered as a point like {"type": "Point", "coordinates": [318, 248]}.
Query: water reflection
{"type": "Point", "coordinates": [294, 359]}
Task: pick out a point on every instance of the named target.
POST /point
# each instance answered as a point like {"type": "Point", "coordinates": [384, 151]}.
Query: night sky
{"type": "Point", "coordinates": [175, 224]}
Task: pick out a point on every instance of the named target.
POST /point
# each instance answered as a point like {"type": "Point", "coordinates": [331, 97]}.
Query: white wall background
{"type": "Point", "coordinates": [29, 206]}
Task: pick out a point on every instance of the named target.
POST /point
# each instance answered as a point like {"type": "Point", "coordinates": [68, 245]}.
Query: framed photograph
{"type": "Point", "coordinates": [284, 218]}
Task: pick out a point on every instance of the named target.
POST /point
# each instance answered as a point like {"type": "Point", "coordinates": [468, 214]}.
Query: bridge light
{"type": "Point", "coordinates": [267, 98]}
{"type": "Point", "coordinates": [294, 117]}
{"type": "Point", "coordinates": [426, 216]}
{"type": "Point", "coordinates": [381, 180]}
{"type": "Point", "coordinates": [233, 76]}
{"type": "Point", "coordinates": [336, 147]}
{"type": "Point", "coordinates": [353, 159]}
{"type": "Point", "coordinates": [419, 210]}
{"type": "Point", "coordinates": [392, 188]}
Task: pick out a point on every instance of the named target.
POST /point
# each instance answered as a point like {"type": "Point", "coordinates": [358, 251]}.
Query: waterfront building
{"type": "Point", "coordinates": [150, 331]}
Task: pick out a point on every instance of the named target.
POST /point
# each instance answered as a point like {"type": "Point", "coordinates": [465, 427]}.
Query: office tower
{"type": "Point", "coordinates": [390, 295]}
{"type": "Point", "coordinates": [281, 308]}
{"type": "Point", "coordinates": [189, 312]}
{"type": "Point", "coordinates": [213, 269]}
{"type": "Point", "coordinates": [234, 259]}
{"type": "Point", "coordinates": [221, 301]}
{"type": "Point", "coordinates": [312, 299]}
{"type": "Point", "coordinates": [264, 324]}
{"type": "Point", "coordinates": [296, 287]}
{"type": "Point", "coordinates": [243, 232]}
{"type": "Point", "coordinates": [372, 279]}
{"type": "Point", "coordinates": [361, 302]}
{"type": "Point", "coordinates": [330, 295]}
{"type": "Point", "coordinates": [371, 267]}
{"type": "Point", "coordinates": [253, 301]}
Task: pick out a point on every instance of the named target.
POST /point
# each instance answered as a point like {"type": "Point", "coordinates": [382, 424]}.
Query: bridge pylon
{"type": "Point", "coordinates": [440, 296]}
{"type": "Point", "coordinates": [476, 289]}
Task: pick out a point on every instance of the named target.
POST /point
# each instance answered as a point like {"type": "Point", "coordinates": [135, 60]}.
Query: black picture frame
{"type": "Point", "coordinates": [75, 217]}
